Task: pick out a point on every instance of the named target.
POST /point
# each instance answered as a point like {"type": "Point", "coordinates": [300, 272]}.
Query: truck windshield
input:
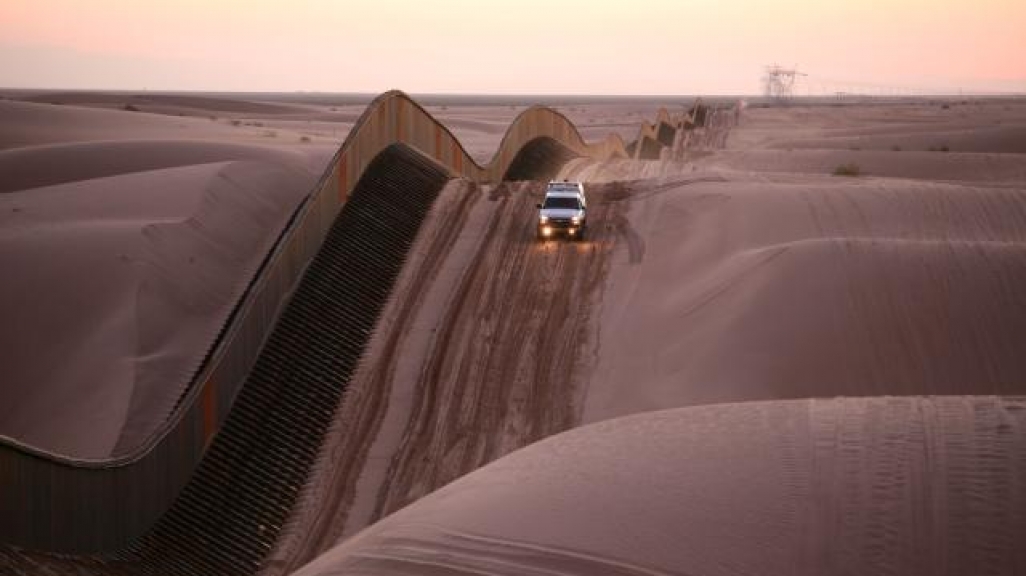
{"type": "Point", "coordinates": [562, 202]}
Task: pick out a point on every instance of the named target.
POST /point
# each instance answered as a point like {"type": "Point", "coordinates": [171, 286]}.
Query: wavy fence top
{"type": "Point", "coordinates": [60, 502]}
{"type": "Point", "coordinates": [394, 118]}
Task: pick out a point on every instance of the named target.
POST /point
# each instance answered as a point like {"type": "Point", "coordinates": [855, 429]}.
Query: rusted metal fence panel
{"type": "Point", "coordinates": [55, 502]}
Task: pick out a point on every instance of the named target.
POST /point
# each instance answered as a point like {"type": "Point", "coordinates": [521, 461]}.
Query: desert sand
{"type": "Point", "coordinates": [843, 486]}
{"type": "Point", "coordinates": [127, 237]}
{"type": "Point", "coordinates": [134, 221]}
{"type": "Point", "coordinates": [731, 288]}
{"type": "Point", "coordinates": [768, 278]}
{"type": "Point", "coordinates": [750, 366]}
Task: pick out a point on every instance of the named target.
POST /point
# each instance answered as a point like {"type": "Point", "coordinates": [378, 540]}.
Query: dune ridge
{"type": "Point", "coordinates": [167, 252]}
{"type": "Point", "coordinates": [814, 288]}
{"type": "Point", "coordinates": [204, 403]}
{"type": "Point", "coordinates": [839, 357]}
{"type": "Point", "coordinates": [914, 485]}
{"type": "Point", "coordinates": [32, 167]}
{"type": "Point", "coordinates": [23, 166]}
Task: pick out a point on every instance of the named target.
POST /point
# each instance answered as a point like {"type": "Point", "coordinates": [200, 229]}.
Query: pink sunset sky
{"type": "Point", "coordinates": [521, 47]}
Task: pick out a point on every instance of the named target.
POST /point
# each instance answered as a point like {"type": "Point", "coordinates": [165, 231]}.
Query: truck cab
{"type": "Point", "coordinates": [563, 212]}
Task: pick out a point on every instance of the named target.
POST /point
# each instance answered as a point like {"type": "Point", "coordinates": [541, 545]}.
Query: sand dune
{"type": "Point", "coordinates": [744, 288]}
{"type": "Point", "coordinates": [37, 166]}
{"type": "Point", "coordinates": [755, 275]}
{"type": "Point", "coordinates": [741, 284]}
{"type": "Point", "coordinates": [954, 166]}
{"type": "Point", "coordinates": [128, 238]}
{"type": "Point", "coordinates": [846, 486]}
{"type": "Point", "coordinates": [140, 270]}
{"type": "Point", "coordinates": [25, 124]}
{"type": "Point", "coordinates": [147, 223]}
{"type": "Point", "coordinates": [998, 139]}
{"type": "Point", "coordinates": [979, 126]}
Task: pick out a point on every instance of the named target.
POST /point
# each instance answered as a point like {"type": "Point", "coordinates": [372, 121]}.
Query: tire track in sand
{"type": "Point", "coordinates": [481, 350]}
{"type": "Point", "coordinates": [328, 501]}
{"type": "Point", "coordinates": [507, 359]}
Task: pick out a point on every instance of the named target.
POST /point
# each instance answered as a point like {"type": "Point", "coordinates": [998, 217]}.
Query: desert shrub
{"type": "Point", "coordinates": [304, 138]}
{"type": "Point", "coordinates": [941, 148]}
{"type": "Point", "coordinates": [945, 106]}
{"type": "Point", "coordinates": [236, 122]}
{"type": "Point", "coordinates": [849, 169]}
{"type": "Point", "coordinates": [130, 108]}
{"type": "Point", "coordinates": [896, 148]}
{"type": "Point", "coordinates": [270, 133]}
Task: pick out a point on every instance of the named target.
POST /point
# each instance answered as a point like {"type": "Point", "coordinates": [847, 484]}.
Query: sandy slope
{"type": "Point", "coordinates": [121, 285]}
{"type": "Point", "coordinates": [761, 276]}
{"type": "Point", "coordinates": [86, 182]}
{"type": "Point", "coordinates": [749, 290]}
{"type": "Point", "coordinates": [846, 486]}
{"type": "Point", "coordinates": [126, 238]}
{"type": "Point", "coordinates": [477, 354]}
{"type": "Point", "coordinates": [25, 124]}
{"type": "Point", "coordinates": [974, 126]}
{"type": "Point", "coordinates": [39, 166]}
{"type": "Point", "coordinates": [741, 277]}
{"type": "Point", "coordinates": [952, 166]}
{"type": "Point", "coordinates": [737, 275]}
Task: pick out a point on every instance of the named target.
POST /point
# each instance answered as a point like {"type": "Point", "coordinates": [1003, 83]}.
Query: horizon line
{"type": "Point", "coordinates": [372, 94]}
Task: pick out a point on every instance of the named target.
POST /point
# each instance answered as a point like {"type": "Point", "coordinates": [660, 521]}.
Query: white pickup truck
{"type": "Point", "coordinates": [564, 211]}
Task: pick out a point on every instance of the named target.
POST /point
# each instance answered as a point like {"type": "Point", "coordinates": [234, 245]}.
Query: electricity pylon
{"type": "Point", "coordinates": [778, 83]}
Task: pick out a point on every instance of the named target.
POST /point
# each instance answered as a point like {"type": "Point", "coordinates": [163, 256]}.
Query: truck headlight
{"type": "Point", "coordinates": [543, 219]}
{"type": "Point", "coordinates": [575, 220]}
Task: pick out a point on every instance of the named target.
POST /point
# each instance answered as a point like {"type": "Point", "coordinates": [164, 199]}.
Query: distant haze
{"type": "Point", "coordinates": [522, 47]}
